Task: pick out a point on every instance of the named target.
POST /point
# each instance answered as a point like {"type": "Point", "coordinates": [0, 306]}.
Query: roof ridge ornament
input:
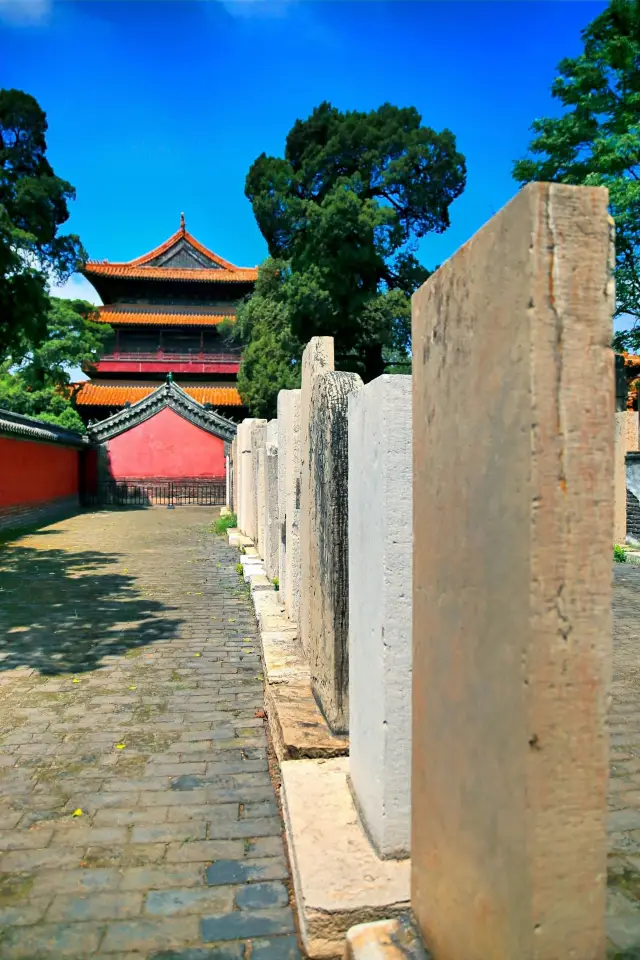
{"type": "Point", "coordinates": [182, 224]}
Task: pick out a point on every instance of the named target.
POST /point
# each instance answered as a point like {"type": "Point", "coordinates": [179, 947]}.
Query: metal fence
{"type": "Point", "coordinates": [117, 493]}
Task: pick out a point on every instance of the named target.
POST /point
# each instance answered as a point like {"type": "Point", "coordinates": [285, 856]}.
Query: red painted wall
{"type": "Point", "coordinates": [32, 472]}
{"type": "Point", "coordinates": [166, 445]}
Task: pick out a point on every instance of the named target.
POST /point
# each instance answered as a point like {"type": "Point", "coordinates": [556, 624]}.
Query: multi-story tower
{"type": "Point", "coordinates": [165, 308]}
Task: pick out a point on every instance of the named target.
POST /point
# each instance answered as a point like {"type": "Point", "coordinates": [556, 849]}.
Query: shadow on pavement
{"type": "Point", "coordinates": [61, 611]}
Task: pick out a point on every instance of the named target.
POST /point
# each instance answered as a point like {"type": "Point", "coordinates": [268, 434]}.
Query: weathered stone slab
{"type": "Point", "coordinates": [274, 623]}
{"type": "Point", "coordinates": [259, 582]}
{"type": "Point", "coordinates": [258, 436]}
{"type": "Point", "coordinates": [234, 475]}
{"type": "Point", "coordinates": [298, 729]}
{"type": "Point", "coordinates": [325, 588]}
{"type": "Point", "coordinates": [261, 499]}
{"type": "Point", "coordinates": [272, 519]}
{"type": "Point", "coordinates": [248, 442]}
{"type": "Point", "coordinates": [289, 497]}
{"type": "Point", "coordinates": [513, 517]}
{"type": "Point", "coordinates": [283, 660]}
{"type": "Point", "coordinates": [380, 535]}
{"type": "Point", "coordinates": [620, 479]}
{"type": "Point", "coordinates": [396, 939]}
{"type": "Point", "coordinates": [317, 359]}
{"type": "Point", "coordinates": [339, 881]}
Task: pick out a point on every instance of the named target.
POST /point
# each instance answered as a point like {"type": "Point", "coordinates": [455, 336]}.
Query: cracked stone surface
{"type": "Point", "coordinates": [137, 816]}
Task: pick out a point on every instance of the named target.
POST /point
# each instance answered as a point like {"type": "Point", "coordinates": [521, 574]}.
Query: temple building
{"type": "Point", "coordinates": [164, 309]}
{"type": "Point", "coordinates": [162, 403]}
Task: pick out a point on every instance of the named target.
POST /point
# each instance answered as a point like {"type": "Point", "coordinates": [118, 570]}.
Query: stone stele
{"type": "Point", "coordinates": [513, 522]}
{"type": "Point", "coordinates": [327, 589]}
{"type": "Point", "coordinates": [317, 358]}
{"type": "Point", "coordinates": [380, 554]}
{"type": "Point", "coordinates": [271, 523]}
{"type": "Point", "coordinates": [289, 500]}
{"type": "Point", "coordinates": [258, 438]}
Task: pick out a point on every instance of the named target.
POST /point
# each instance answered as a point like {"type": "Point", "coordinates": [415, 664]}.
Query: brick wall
{"type": "Point", "coordinates": [30, 514]}
{"type": "Point", "coordinates": [42, 469]}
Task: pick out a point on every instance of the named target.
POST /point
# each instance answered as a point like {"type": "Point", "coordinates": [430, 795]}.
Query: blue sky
{"type": "Point", "coordinates": [160, 107]}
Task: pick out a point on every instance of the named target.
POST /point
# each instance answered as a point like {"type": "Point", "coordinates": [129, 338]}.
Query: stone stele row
{"type": "Point", "coordinates": [441, 547]}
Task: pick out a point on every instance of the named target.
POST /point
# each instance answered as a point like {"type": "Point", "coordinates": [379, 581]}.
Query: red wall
{"type": "Point", "coordinates": [166, 445]}
{"type": "Point", "coordinates": [32, 472]}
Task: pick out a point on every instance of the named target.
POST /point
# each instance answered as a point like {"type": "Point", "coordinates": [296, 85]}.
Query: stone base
{"type": "Point", "coordinates": [339, 881]}
{"type": "Point", "coordinates": [237, 539]}
{"type": "Point", "coordinates": [283, 660]}
{"type": "Point", "coordinates": [385, 940]}
{"type": "Point", "coordinates": [298, 729]}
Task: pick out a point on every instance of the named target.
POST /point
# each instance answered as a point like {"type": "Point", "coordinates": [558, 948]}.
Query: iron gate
{"type": "Point", "coordinates": [118, 493]}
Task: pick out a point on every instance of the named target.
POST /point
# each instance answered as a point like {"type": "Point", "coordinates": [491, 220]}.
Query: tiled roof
{"type": "Point", "coordinates": [139, 317]}
{"type": "Point", "coordinates": [132, 271]}
{"type": "Point", "coordinates": [110, 395]}
{"type": "Point", "coordinates": [180, 234]}
{"type": "Point", "coordinates": [222, 272]}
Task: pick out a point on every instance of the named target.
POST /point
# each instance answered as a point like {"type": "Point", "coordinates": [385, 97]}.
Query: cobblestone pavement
{"type": "Point", "coordinates": [137, 817]}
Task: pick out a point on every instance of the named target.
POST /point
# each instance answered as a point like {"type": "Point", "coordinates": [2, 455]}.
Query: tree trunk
{"type": "Point", "coordinates": [373, 362]}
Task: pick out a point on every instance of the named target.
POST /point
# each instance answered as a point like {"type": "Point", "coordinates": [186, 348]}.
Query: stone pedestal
{"type": "Point", "coordinates": [339, 881]}
{"type": "Point", "coordinates": [513, 514]}
{"type": "Point", "coordinates": [380, 557]}
{"type": "Point", "coordinates": [289, 500]}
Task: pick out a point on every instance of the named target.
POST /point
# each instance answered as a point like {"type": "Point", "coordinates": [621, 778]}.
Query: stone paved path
{"type": "Point", "coordinates": [129, 685]}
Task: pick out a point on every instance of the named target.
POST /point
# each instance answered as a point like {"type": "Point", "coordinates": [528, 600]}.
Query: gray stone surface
{"type": "Point", "coordinates": [380, 586]}
{"type": "Point", "coordinates": [513, 524]}
{"type": "Point", "coordinates": [289, 494]}
{"type": "Point", "coordinates": [131, 696]}
{"type": "Point", "coordinates": [258, 432]}
{"type": "Point", "coordinates": [317, 359]}
{"type": "Point", "coordinates": [326, 590]}
{"type": "Point", "coordinates": [272, 519]}
{"type": "Point", "coordinates": [261, 485]}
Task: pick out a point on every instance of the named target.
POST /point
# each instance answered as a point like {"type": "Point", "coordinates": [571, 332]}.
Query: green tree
{"type": "Point", "coordinates": [33, 205]}
{"type": "Point", "coordinates": [39, 385]}
{"type": "Point", "coordinates": [271, 356]}
{"type": "Point", "coordinates": [596, 141]}
{"type": "Point", "coordinates": [342, 214]}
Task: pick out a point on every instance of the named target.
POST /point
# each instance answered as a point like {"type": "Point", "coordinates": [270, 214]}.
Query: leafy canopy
{"type": "Point", "coordinates": [39, 385]}
{"type": "Point", "coordinates": [596, 141]}
{"type": "Point", "coordinates": [33, 205]}
{"type": "Point", "coordinates": [342, 213]}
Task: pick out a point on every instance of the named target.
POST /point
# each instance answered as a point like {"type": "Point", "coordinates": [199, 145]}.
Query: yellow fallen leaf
{"type": "Point", "coordinates": [125, 570]}
{"type": "Point", "coordinates": [132, 688]}
{"type": "Point", "coordinates": [120, 746]}
{"type": "Point", "coordinates": [188, 593]}
{"type": "Point", "coordinates": [197, 654]}
{"type": "Point", "coordinates": [231, 621]}
{"type": "Point", "coordinates": [198, 594]}
{"type": "Point", "coordinates": [75, 680]}
{"type": "Point", "coordinates": [77, 813]}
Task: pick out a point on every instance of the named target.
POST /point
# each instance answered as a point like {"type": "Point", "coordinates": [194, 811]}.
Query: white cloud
{"type": "Point", "coordinates": [76, 287]}
{"type": "Point", "coordinates": [25, 12]}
